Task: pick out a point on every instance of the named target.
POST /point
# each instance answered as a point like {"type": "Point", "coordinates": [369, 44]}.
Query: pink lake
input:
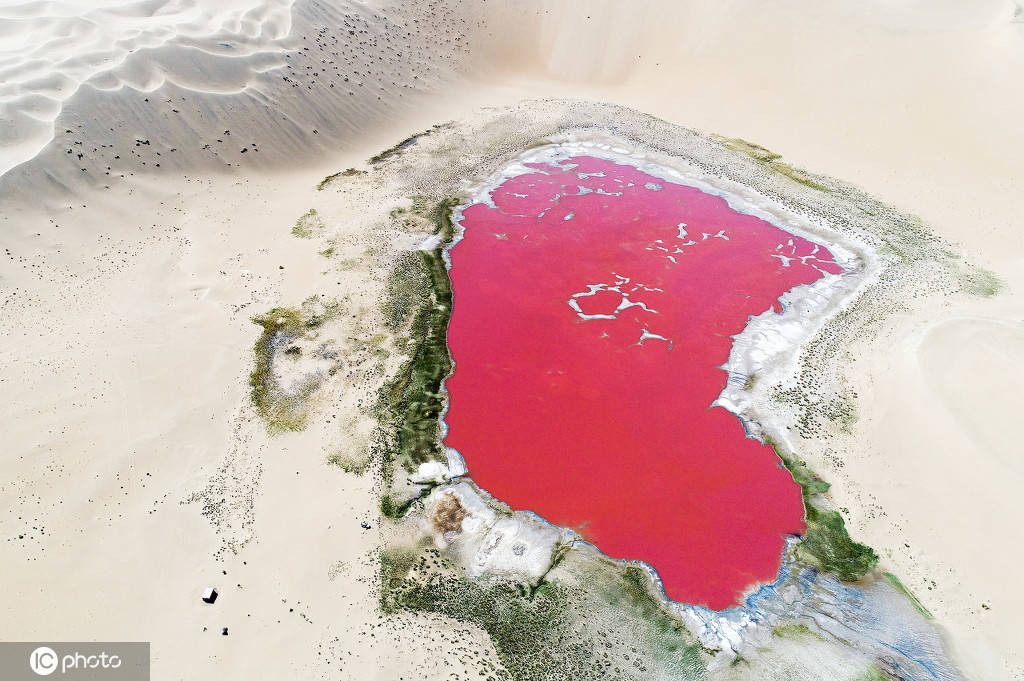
{"type": "Point", "coordinates": [593, 308]}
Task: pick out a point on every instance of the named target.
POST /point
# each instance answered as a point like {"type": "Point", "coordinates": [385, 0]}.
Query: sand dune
{"type": "Point", "coordinates": [52, 49]}
{"type": "Point", "coordinates": [154, 156]}
{"type": "Point", "coordinates": [97, 94]}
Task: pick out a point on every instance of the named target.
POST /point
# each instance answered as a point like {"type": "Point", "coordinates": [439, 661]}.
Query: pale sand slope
{"type": "Point", "coordinates": [125, 359]}
{"type": "Point", "coordinates": [130, 356]}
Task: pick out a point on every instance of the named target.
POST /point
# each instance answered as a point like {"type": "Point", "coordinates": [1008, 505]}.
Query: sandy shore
{"type": "Point", "coordinates": [127, 339]}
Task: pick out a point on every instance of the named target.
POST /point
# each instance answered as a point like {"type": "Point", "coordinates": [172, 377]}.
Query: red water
{"type": "Point", "coordinates": [604, 424]}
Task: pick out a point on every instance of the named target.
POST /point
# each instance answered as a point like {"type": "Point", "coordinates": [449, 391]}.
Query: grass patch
{"type": "Point", "coordinates": [826, 542]}
{"type": "Point", "coordinates": [441, 215]}
{"type": "Point", "coordinates": [873, 673]}
{"type": "Point", "coordinates": [348, 172]}
{"type": "Point", "coordinates": [796, 630]}
{"type": "Point", "coordinates": [527, 633]}
{"type": "Point", "coordinates": [636, 585]}
{"type": "Point", "coordinates": [407, 142]}
{"type": "Point", "coordinates": [407, 290]}
{"type": "Point", "coordinates": [548, 632]}
{"type": "Point", "coordinates": [326, 181]}
{"type": "Point", "coordinates": [899, 586]}
{"type": "Point", "coordinates": [419, 299]}
{"type": "Point", "coordinates": [393, 508]}
{"type": "Point", "coordinates": [307, 224]}
{"type": "Point", "coordinates": [414, 398]}
{"type": "Point", "coordinates": [282, 327]}
{"type": "Point", "coordinates": [981, 282]}
{"type": "Point", "coordinates": [356, 465]}
{"type": "Point", "coordinates": [391, 151]}
{"type": "Point", "coordinates": [770, 160]}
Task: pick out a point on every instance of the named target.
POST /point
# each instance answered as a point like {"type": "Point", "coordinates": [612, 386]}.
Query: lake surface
{"type": "Point", "coordinates": [594, 306]}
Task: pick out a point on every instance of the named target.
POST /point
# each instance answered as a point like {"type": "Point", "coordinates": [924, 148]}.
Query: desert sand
{"type": "Point", "coordinates": [135, 472]}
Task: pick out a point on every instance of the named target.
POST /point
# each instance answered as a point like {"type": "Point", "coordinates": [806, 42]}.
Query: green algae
{"type": "Point", "coordinates": [899, 586]}
{"type": "Point", "coordinates": [826, 543]}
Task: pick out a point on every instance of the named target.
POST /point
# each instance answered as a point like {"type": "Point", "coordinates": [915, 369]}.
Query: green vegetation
{"type": "Point", "coordinates": [279, 325]}
{"type": "Point", "coordinates": [796, 630]}
{"type": "Point", "coordinates": [873, 673]}
{"type": "Point", "coordinates": [826, 542]}
{"type": "Point", "coordinates": [980, 282]}
{"type": "Point", "coordinates": [407, 142]}
{"type": "Point", "coordinates": [527, 633]}
{"type": "Point", "coordinates": [348, 172]}
{"type": "Point", "coordinates": [282, 327]}
{"type": "Point", "coordinates": [665, 634]}
{"type": "Point", "coordinates": [391, 151]}
{"type": "Point", "coordinates": [407, 290]}
{"type": "Point", "coordinates": [828, 545]}
{"type": "Point", "coordinates": [548, 632]}
{"type": "Point", "coordinates": [636, 586]}
{"type": "Point", "coordinates": [357, 465]}
{"type": "Point", "coordinates": [419, 298]}
{"type": "Point", "coordinates": [326, 181]}
{"type": "Point", "coordinates": [415, 399]}
{"type": "Point", "coordinates": [388, 507]}
{"type": "Point", "coordinates": [899, 586]}
{"type": "Point", "coordinates": [393, 508]}
{"type": "Point", "coordinates": [308, 223]}
{"type": "Point", "coordinates": [770, 160]}
{"type": "Point", "coordinates": [441, 216]}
